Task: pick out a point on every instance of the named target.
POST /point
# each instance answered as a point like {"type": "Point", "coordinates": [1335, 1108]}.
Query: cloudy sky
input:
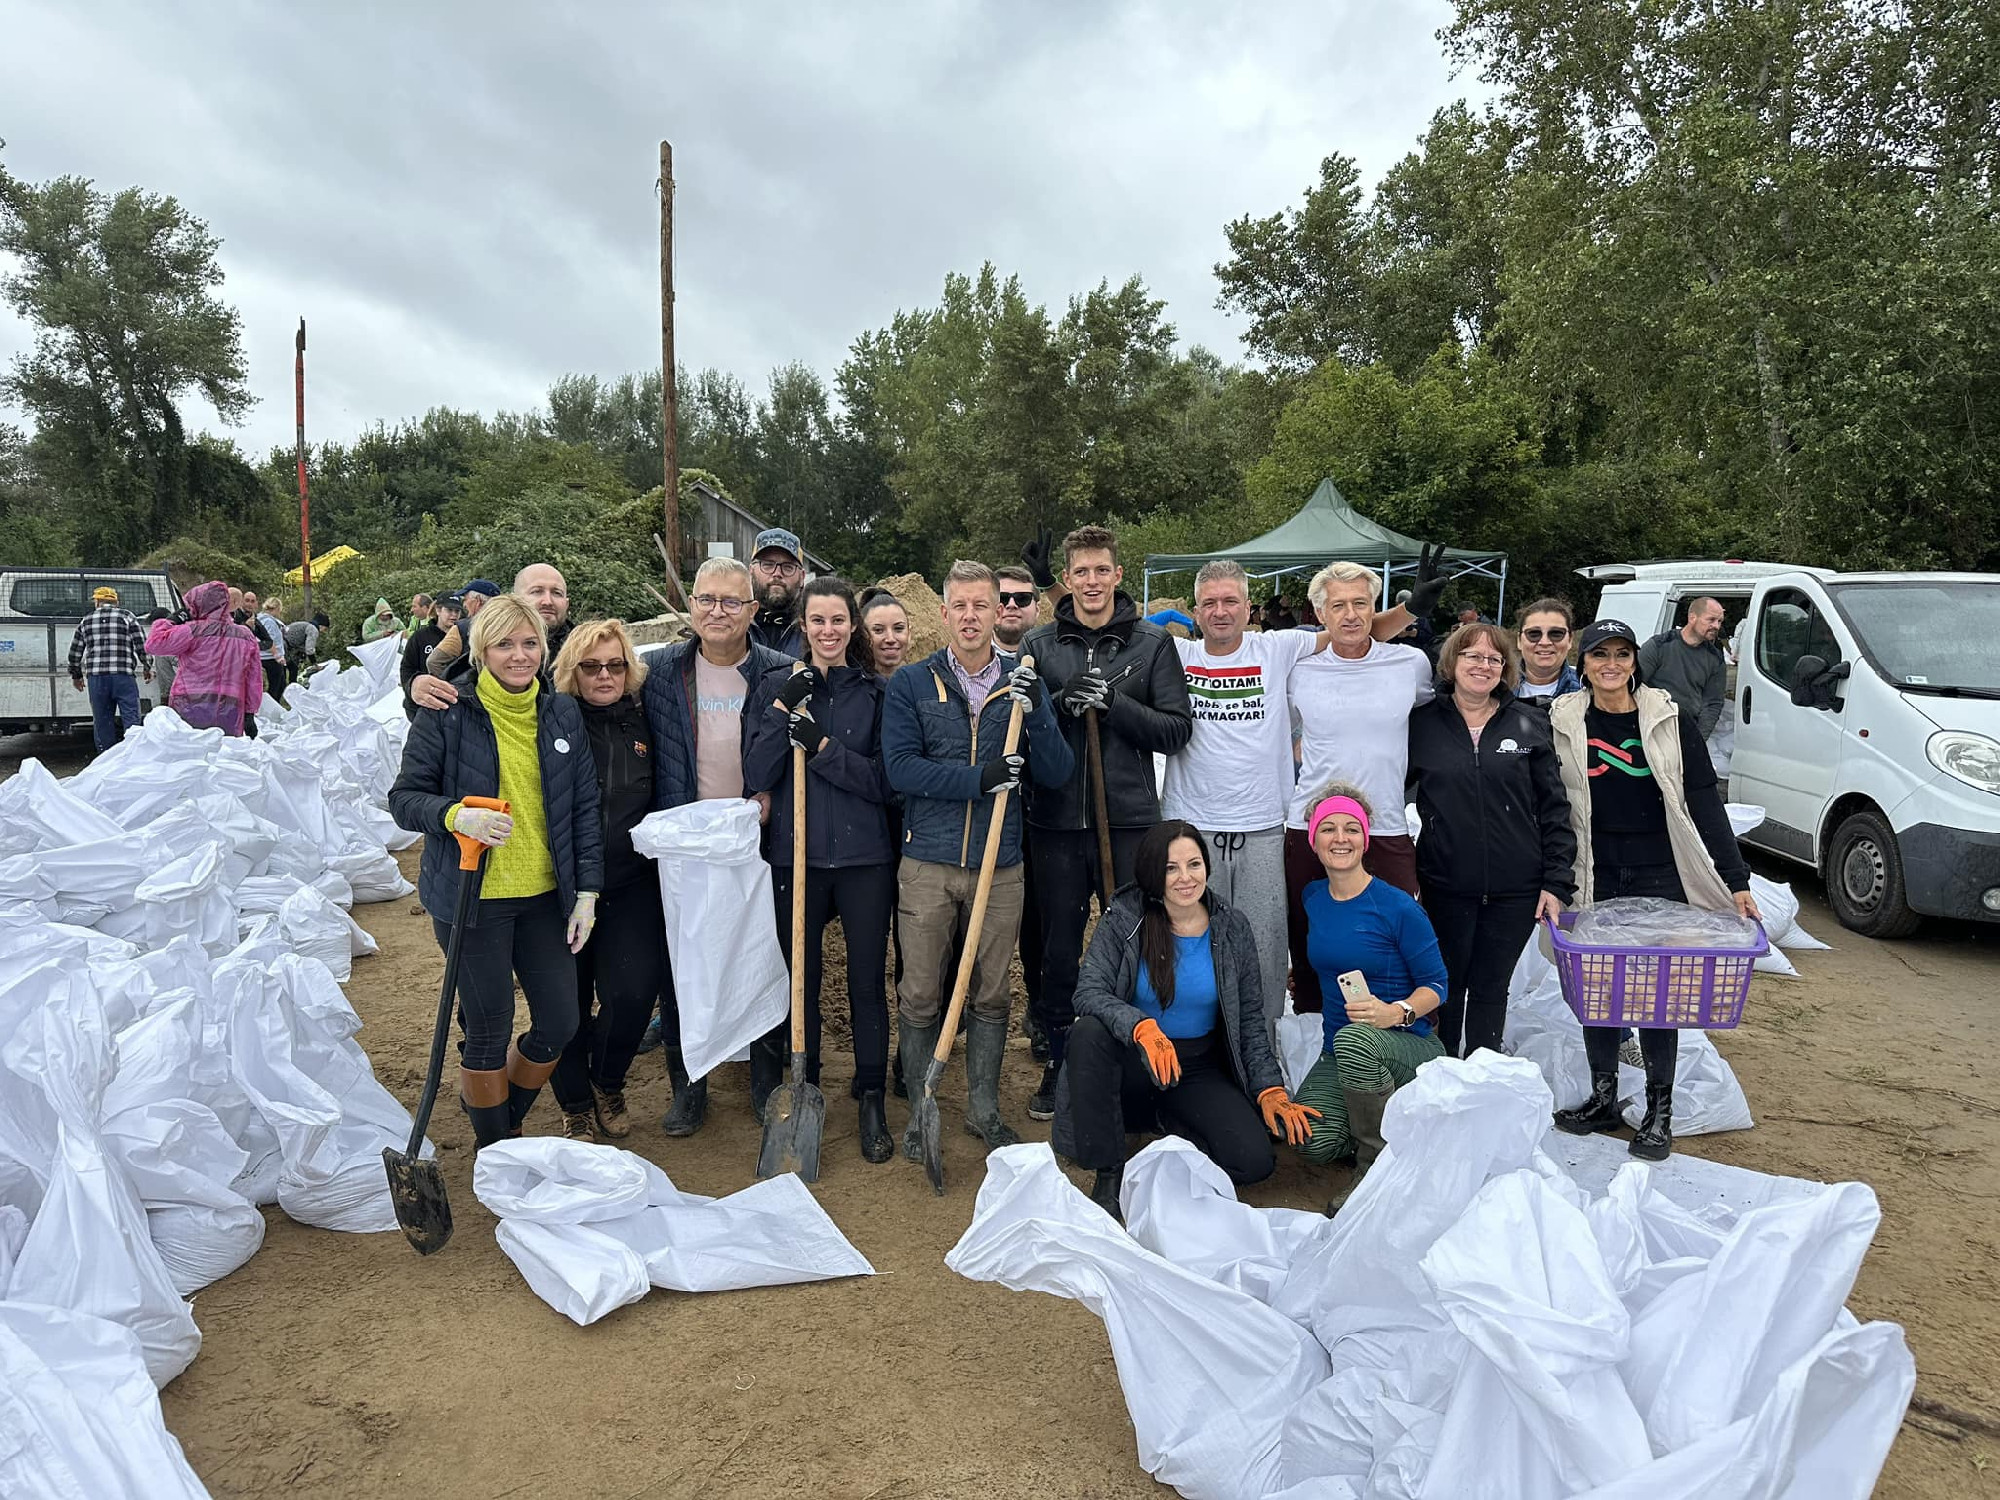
{"type": "Point", "coordinates": [458, 197]}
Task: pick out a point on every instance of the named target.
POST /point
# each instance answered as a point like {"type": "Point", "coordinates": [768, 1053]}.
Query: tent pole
{"type": "Point", "coordinates": [1502, 614]}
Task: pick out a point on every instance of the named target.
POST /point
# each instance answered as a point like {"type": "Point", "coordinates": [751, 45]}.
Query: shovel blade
{"type": "Point", "coordinates": [416, 1188]}
{"type": "Point", "coordinates": [794, 1121]}
{"type": "Point", "coordinates": [930, 1132]}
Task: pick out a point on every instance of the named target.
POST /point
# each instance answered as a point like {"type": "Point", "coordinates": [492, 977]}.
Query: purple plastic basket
{"type": "Point", "coordinates": [1654, 987]}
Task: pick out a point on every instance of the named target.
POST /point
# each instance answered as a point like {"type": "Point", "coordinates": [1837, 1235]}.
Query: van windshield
{"type": "Point", "coordinates": [1928, 635]}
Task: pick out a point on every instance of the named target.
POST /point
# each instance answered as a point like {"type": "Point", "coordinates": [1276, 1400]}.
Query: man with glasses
{"type": "Point", "coordinates": [1546, 673]}
{"type": "Point", "coordinates": [778, 566]}
{"type": "Point", "coordinates": [694, 696]}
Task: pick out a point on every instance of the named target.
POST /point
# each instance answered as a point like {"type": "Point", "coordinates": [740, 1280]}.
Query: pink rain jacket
{"type": "Point", "coordinates": [218, 681]}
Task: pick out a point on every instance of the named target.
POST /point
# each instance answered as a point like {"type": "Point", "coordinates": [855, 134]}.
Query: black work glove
{"type": "Point", "coordinates": [1035, 557]}
{"type": "Point", "coordinates": [1429, 587]}
{"type": "Point", "coordinates": [798, 687]}
{"type": "Point", "coordinates": [803, 730]}
{"type": "Point", "coordinates": [1085, 693]}
{"type": "Point", "coordinates": [1002, 775]}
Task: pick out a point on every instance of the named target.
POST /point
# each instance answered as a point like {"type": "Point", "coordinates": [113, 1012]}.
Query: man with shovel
{"type": "Point", "coordinates": [944, 729]}
{"type": "Point", "coordinates": [1124, 698]}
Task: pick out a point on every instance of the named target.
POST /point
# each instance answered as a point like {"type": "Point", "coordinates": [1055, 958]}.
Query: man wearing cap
{"type": "Point", "coordinates": [778, 567]}
{"type": "Point", "coordinates": [452, 646]}
{"type": "Point", "coordinates": [105, 656]}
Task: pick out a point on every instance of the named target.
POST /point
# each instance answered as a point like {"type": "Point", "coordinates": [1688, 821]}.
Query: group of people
{"type": "Point", "coordinates": [1275, 858]}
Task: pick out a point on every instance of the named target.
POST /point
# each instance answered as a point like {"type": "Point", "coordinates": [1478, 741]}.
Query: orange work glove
{"type": "Point", "coordinates": [1161, 1060]}
{"type": "Point", "coordinates": [1285, 1119]}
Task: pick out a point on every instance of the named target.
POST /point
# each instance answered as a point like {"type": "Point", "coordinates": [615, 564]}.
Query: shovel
{"type": "Point", "coordinates": [1094, 744]}
{"type": "Point", "coordinates": [416, 1186]}
{"type": "Point", "coordinates": [929, 1133]}
{"type": "Point", "coordinates": [795, 1114]}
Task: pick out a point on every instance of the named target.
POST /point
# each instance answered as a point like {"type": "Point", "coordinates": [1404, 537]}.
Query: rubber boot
{"type": "Point", "coordinates": [985, 1050]}
{"type": "Point", "coordinates": [898, 1084]}
{"type": "Point", "coordinates": [767, 1068]}
{"type": "Point", "coordinates": [690, 1106]}
{"type": "Point", "coordinates": [877, 1145]}
{"type": "Point", "coordinates": [1597, 1113]}
{"type": "Point", "coordinates": [483, 1097]}
{"type": "Point", "coordinates": [1104, 1191]}
{"type": "Point", "coordinates": [1364, 1127]}
{"type": "Point", "coordinates": [1655, 1140]}
{"type": "Point", "coordinates": [524, 1085]}
{"type": "Point", "coordinates": [917, 1044]}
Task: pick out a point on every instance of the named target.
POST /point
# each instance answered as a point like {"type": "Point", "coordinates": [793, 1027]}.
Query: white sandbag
{"type": "Point", "coordinates": [81, 1419]}
{"type": "Point", "coordinates": [578, 1271]}
{"type": "Point", "coordinates": [183, 896]}
{"type": "Point", "coordinates": [1743, 816]}
{"type": "Point", "coordinates": [1780, 906]}
{"type": "Point", "coordinates": [1707, 1098]}
{"type": "Point", "coordinates": [381, 661]}
{"type": "Point", "coordinates": [315, 928]}
{"type": "Point", "coordinates": [730, 979]}
{"type": "Point", "coordinates": [372, 874]}
{"type": "Point", "coordinates": [1301, 1041]}
{"type": "Point", "coordinates": [548, 1180]}
{"type": "Point", "coordinates": [39, 812]}
{"type": "Point", "coordinates": [772, 1233]}
{"type": "Point", "coordinates": [1209, 1374]}
{"type": "Point", "coordinates": [13, 1234]}
{"type": "Point", "coordinates": [1183, 1208]}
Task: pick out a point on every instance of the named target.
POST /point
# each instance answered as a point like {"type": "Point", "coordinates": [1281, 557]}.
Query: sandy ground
{"type": "Point", "coordinates": [343, 1365]}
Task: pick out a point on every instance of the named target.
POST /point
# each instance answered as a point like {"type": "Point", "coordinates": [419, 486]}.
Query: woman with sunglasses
{"type": "Point", "coordinates": [1649, 821]}
{"type": "Point", "coordinates": [1546, 626]}
{"type": "Point", "coordinates": [624, 964]}
{"type": "Point", "coordinates": [1496, 851]}
{"type": "Point", "coordinates": [832, 709]}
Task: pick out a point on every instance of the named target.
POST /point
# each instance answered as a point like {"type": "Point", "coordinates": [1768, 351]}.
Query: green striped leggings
{"type": "Point", "coordinates": [1364, 1059]}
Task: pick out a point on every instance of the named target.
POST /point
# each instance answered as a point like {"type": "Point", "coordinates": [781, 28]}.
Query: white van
{"type": "Point", "coordinates": [40, 609]}
{"type": "Point", "coordinates": [1867, 725]}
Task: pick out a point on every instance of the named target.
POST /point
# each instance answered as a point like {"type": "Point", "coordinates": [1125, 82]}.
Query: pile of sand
{"type": "Point", "coordinates": [661, 630]}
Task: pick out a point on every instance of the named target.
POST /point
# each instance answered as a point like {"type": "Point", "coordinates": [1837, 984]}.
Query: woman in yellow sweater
{"type": "Point", "coordinates": [514, 739]}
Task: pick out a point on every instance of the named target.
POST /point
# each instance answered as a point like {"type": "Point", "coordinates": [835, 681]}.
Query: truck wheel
{"type": "Point", "coordinates": [1864, 878]}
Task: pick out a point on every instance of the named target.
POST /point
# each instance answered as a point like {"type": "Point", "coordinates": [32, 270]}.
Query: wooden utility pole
{"type": "Point", "coordinates": [670, 430]}
{"type": "Point", "coordinates": [305, 512]}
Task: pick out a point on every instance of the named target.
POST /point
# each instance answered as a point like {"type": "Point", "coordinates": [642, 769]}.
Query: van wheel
{"type": "Point", "coordinates": [1864, 878]}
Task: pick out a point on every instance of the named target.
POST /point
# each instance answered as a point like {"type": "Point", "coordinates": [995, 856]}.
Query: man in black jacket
{"type": "Point", "coordinates": [1109, 671]}
{"type": "Point", "coordinates": [777, 563]}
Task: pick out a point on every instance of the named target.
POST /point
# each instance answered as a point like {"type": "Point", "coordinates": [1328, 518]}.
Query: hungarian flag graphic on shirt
{"type": "Point", "coordinates": [1227, 695]}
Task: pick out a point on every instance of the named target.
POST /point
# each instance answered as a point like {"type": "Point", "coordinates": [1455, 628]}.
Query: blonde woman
{"type": "Point", "coordinates": [623, 968]}
{"type": "Point", "coordinates": [538, 900]}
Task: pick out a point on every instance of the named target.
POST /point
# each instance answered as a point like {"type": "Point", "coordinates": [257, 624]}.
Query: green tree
{"type": "Point", "coordinates": [1301, 278]}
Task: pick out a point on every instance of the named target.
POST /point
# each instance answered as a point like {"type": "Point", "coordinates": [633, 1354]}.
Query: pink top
{"type": "Point", "coordinates": [218, 679]}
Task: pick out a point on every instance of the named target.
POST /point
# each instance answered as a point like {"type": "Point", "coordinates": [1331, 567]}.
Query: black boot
{"type": "Point", "coordinates": [876, 1144]}
{"type": "Point", "coordinates": [897, 1084]}
{"type": "Point", "coordinates": [483, 1097]}
{"type": "Point", "coordinates": [1597, 1113]}
{"type": "Point", "coordinates": [985, 1050]}
{"type": "Point", "coordinates": [767, 1069]}
{"type": "Point", "coordinates": [525, 1080]}
{"type": "Point", "coordinates": [1655, 1140]}
{"type": "Point", "coordinates": [915, 1046]}
{"type": "Point", "coordinates": [1043, 1105]}
{"type": "Point", "coordinates": [1104, 1191]}
{"type": "Point", "coordinates": [690, 1106]}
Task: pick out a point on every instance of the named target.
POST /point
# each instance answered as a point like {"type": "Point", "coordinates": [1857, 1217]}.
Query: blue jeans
{"type": "Point", "coordinates": [112, 692]}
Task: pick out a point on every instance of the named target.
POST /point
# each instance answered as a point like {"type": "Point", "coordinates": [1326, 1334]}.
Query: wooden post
{"type": "Point", "coordinates": [670, 431]}
{"type": "Point", "coordinates": [305, 512]}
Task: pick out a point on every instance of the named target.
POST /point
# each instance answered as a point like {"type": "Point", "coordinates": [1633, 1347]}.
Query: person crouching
{"type": "Point", "coordinates": [538, 903]}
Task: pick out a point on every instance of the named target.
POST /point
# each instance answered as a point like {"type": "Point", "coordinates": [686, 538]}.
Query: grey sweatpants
{"type": "Point", "coordinates": [1248, 871]}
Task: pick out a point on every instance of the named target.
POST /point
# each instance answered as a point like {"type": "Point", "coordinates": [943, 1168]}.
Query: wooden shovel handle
{"type": "Point", "coordinates": [995, 826]}
{"type": "Point", "coordinates": [798, 900]}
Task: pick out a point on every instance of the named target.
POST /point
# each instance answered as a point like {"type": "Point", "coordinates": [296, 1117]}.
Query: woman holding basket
{"type": "Point", "coordinates": [1649, 821]}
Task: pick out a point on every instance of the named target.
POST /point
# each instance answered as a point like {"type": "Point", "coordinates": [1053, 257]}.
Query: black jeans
{"type": "Point", "coordinates": [1660, 1045]}
{"type": "Point", "coordinates": [1111, 1091]}
{"type": "Point", "coordinates": [1065, 865]}
{"type": "Point", "coordinates": [863, 897]}
{"type": "Point", "coordinates": [515, 937]}
{"type": "Point", "coordinates": [624, 965]}
{"type": "Point", "coordinates": [1481, 938]}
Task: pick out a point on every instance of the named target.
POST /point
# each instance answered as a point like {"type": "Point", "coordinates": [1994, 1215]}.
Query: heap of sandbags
{"type": "Point", "coordinates": [175, 1051]}
{"type": "Point", "coordinates": [1478, 1321]}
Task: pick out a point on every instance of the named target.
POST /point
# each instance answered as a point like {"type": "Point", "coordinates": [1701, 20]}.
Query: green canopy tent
{"type": "Point", "coordinates": [1328, 529]}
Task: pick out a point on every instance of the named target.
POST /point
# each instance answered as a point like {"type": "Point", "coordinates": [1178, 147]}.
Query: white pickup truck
{"type": "Point", "coordinates": [1867, 725]}
{"type": "Point", "coordinates": [40, 609]}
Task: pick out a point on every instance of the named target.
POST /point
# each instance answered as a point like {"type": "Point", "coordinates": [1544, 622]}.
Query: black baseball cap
{"type": "Point", "coordinates": [1597, 632]}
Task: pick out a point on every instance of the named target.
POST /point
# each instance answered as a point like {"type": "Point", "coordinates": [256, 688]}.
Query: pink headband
{"type": "Point", "coordinates": [1328, 808]}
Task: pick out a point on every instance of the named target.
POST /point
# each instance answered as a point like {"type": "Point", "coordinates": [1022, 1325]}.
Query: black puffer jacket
{"type": "Point", "coordinates": [1495, 816]}
{"type": "Point", "coordinates": [452, 754]}
{"type": "Point", "coordinates": [621, 747]}
{"type": "Point", "coordinates": [1109, 979]}
{"type": "Point", "coordinates": [847, 790]}
{"type": "Point", "coordinates": [1149, 713]}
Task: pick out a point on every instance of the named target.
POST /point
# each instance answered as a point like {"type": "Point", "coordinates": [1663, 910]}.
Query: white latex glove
{"type": "Point", "coordinates": [489, 827]}
{"type": "Point", "coordinates": [582, 918]}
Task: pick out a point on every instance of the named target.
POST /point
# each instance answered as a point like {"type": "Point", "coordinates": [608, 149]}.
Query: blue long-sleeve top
{"type": "Point", "coordinates": [1383, 933]}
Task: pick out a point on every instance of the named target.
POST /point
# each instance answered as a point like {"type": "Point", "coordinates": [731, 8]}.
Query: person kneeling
{"type": "Point", "coordinates": [1170, 1031]}
{"type": "Point", "coordinates": [1358, 925]}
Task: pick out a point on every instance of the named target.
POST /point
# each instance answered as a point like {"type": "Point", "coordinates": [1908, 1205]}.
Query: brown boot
{"type": "Point", "coordinates": [579, 1125]}
{"type": "Point", "coordinates": [524, 1084]}
{"type": "Point", "coordinates": [483, 1097]}
{"type": "Point", "coordinates": [611, 1117]}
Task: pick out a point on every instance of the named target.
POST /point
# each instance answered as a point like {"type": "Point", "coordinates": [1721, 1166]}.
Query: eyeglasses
{"type": "Point", "coordinates": [1555, 633]}
{"type": "Point", "coordinates": [1018, 601]}
{"type": "Point", "coordinates": [713, 602]}
{"type": "Point", "coordinates": [602, 668]}
{"type": "Point", "coordinates": [1481, 659]}
{"type": "Point", "coordinates": [778, 569]}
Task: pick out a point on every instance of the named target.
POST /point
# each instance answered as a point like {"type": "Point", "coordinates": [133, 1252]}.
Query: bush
{"type": "Point", "coordinates": [189, 562]}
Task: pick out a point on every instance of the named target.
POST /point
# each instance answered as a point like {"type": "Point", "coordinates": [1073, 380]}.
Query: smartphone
{"type": "Point", "coordinates": [1353, 986]}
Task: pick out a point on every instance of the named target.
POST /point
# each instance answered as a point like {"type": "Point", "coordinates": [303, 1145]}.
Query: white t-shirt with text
{"type": "Point", "coordinates": [718, 735]}
{"type": "Point", "coordinates": [1235, 773]}
{"type": "Point", "coordinates": [1353, 719]}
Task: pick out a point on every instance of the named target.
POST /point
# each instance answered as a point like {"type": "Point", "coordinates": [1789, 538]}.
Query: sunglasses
{"type": "Point", "coordinates": [1017, 601]}
{"type": "Point", "coordinates": [602, 668]}
{"type": "Point", "coordinates": [1553, 633]}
